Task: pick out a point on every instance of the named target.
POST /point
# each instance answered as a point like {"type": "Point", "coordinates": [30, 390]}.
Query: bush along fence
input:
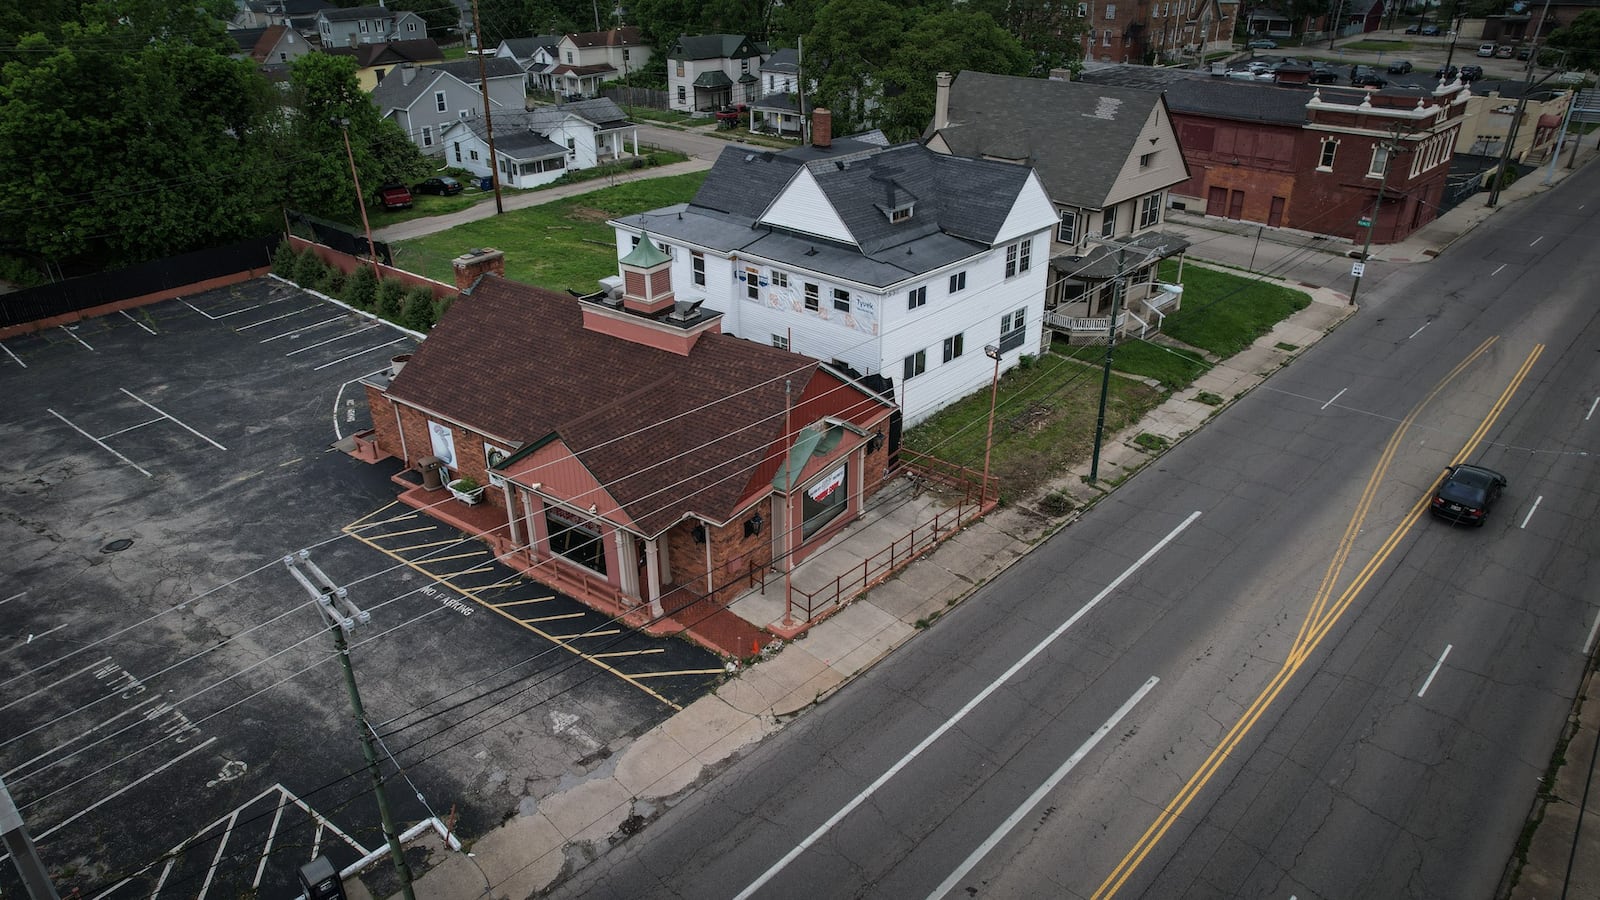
{"type": "Point", "coordinates": [401, 297]}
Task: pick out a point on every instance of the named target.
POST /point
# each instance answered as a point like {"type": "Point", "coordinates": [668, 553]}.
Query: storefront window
{"type": "Point", "coordinates": [578, 541]}
{"type": "Point", "coordinates": [824, 500]}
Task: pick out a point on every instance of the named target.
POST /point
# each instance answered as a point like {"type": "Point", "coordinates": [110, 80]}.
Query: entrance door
{"type": "Point", "coordinates": [1236, 205]}
{"type": "Point", "coordinates": [1275, 217]}
{"type": "Point", "coordinates": [1216, 201]}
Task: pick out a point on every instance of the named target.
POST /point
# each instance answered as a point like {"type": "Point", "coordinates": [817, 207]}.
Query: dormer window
{"type": "Point", "coordinates": [900, 213]}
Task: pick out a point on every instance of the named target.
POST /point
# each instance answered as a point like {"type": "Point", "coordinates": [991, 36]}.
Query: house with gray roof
{"type": "Point", "coordinates": [538, 146]}
{"type": "Point", "coordinates": [1106, 155]}
{"type": "Point", "coordinates": [338, 27]}
{"type": "Point", "coordinates": [708, 72]}
{"type": "Point", "coordinates": [425, 100]}
{"type": "Point", "coordinates": [590, 58]}
{"type": "Point", "coordinates": [897, 261]}
{"type": "Point", "coordinates": [778, 109]}
{"type": "Point", "coordinates": [539, 51]}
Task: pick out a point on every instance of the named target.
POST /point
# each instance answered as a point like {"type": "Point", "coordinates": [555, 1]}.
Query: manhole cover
{"type": "Point", "coordinates": [117, 546]}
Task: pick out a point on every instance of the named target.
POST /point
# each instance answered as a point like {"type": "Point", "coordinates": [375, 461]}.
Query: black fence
{"type": "Point", "coordinates": [1471, 173]}
{"type": "Point", "coordinates": [89, 291]}
{"type": "Point", "coordinates": [339, 237]}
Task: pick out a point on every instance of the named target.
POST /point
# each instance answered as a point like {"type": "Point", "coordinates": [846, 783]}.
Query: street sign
{"type": "Point", "coordinates": [1357, 268]}
{"type": "Point", "coordinates": [1364, 222]}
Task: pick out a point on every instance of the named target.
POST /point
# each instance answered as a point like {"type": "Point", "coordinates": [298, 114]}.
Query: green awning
{"type": "Point", "coordinates": [713, 79]}
{"type": "Point", "coordinates": [817, 439]}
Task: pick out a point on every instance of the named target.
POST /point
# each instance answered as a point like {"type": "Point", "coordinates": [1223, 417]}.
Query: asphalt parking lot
{"type": "Point", "coordinates": [173, 720]}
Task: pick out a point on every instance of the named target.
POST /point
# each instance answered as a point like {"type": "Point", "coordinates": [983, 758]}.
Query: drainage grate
{"type": "Point", "coordinates": [117, 546]}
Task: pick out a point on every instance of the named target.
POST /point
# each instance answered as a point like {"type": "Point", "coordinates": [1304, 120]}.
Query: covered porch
{"type": "Point", "coordinates": [1079, 304]}
{"type": "Point", "coordinates": [713, 90]}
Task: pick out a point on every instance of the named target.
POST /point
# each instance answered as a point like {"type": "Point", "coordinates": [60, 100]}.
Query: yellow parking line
{"type": "Point", "coordinates": [410, 547]}
{"type": "Point", "coordinates": [463, 572]}
{"type": "Point", "coordinates": [629, 652]}
{"type": "Point", "coordinates": [556, 618]}
{"type": "Point", "coordinates": [509, 582]}
{"type": "Point", "coordinates": [440, 559]}
{"type": "Point", "coordinates": [521, 602]}
{"type": "Point", "coordinates": [406, 517]}
{"type": "Point", "coordinates": [678, 672]}
{"type": "Point", "coordinates": [587, 634]}
{"type": "Point", "coordinates": [357, 523]}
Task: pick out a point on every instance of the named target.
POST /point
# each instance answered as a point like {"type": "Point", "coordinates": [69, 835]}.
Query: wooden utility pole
{"type": "Point", "coordinates": [488, 119]}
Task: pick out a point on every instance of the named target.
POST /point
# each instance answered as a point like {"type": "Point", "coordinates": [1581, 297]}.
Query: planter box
{"type": "Point", "coordinates": [470, 497]}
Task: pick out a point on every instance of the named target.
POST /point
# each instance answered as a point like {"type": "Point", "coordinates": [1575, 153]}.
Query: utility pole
{"type": "Point", "coordinates": [361, 202]}
{"type": "Point", "coordinates": [24, 858]}
{"type": "Point", "coordinates": [488, 120]}
{"type": "Point", "coordinates": [325, 592]}
{"type": "Point", "coordinates": [1516, 121]}
{"type": "Point", "coordinates": [1390, 148]}
{"type": "Point", "coordinates": [1105, 376]}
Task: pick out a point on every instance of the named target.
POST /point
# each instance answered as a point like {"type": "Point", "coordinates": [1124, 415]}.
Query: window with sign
{"type": "Point", "coordinates": [824, 500]}
{"type": "Point", "coordinates": [576, 540]}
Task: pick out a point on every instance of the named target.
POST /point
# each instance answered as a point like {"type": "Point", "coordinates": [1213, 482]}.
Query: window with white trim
{"type": "Point", "coordinates": [438, 101]}
{"type": "Point", "coordinates": [427, 135]}
{"type": "Point", "coordinates": [812, 302]}
{"type": "Point", "coordinates": [916, 364]}
{"type": "Point", "coordinates": [458, 151]}
{"type": "Point", "coordinates": [1018, 258]}
{"type": "Point", "coordinates": [1380, 161]}
{"type": "Point", "coordinates": [752, 284]}
{"type": "Point", "coordinates": [841, 299]}
{"type": "Point", "coordinates": [1108, 222]}
{"type": "Point", "coordinates": [1150, 210]}
{"type": "Point", "coordinates": [917, 298]}
{"type": "Point", "coordinates": [1330, 147]}
{"type": "Point", "coordinates": [1146, 160]}
{"type": "Point", "coordinates": [1111, 11]}
{"type": "Point", "coordinates": [780, 341]}
{"type": "Point", "coordinates": [953, 346]}
{"type": "Point", "coordinates": [1067, 231]}
{"type": "Point", "coordinates": [1083, 10]}
{"type": "Point", "coordinates": [780, 279]}
{"type": "Point", "coordinates": [697, 268]}
{"type": "Point", "coordinates": [1105, 39]}
{"type": "Point", "coordinates": [1013, 329]}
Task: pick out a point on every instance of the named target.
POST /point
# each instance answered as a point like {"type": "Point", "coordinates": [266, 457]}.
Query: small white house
{"type": "Point", "coordinates": [896, 261]}
{"type": "Point", "coordinates": [707, 72]}
{"type": "Point", "coordinates": [538, 146]}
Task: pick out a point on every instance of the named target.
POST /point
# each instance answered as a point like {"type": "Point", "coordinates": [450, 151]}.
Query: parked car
{"type": "Point", "coordinates": [394, 196]}
{"type": "Point", "coordinates": [1414, 29]}
{"type": "Point", "coordinates": [1400, 67]}
{"type": "Point", "coordinates": [1471, 73]}
{"type": "Point", "coordinates": [1485, 49]}
{"type": "Point", "coordinates": [443, 185]}
{"type": "Point", "coordinates": [1524, 53]}
{"type": "Point", "coordinates": [1466, 493]}
{"type": "Point", "coordinates": [1430, 31]}
{"type": "Point", "coordinates": [1261, 44]}
{"type": "Point", "coordinates": [1321, 74]}
{"type": "Point", "coordinates": [1445, 73]}
{"type": "Point", "coordinates": [1504, 51]}
{"type": "Point", "coordinates": [1366, 76]}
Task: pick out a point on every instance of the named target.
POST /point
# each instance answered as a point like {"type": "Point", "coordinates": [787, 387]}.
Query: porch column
{"type": "Point", "coordinates": [635, 142]}
{"type": "Point", "coordinates": [511, 513]}
{"type": "Point", "coordinates": [538, 545]}
{"type": "Point", "coordinates": [652, 573]}
{"type": "Point", "coordinates": [627, 563]}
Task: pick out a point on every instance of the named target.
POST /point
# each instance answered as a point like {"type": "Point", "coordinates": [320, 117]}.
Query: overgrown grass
{"type": "Point", "coordinates": [1224, 313]}
{"type": "Point", "coordinates": [664, 116]}
{"type": "Point", "coordinates": [559, 245]}
{"type": "Point", "coordinates": [1175, 368]}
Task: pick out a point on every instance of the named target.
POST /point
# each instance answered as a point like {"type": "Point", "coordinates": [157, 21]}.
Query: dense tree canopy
{"type": "Point", "coordinates": [1580, 40]}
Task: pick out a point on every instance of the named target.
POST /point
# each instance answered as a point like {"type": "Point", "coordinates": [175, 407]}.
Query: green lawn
{"type": "Point", "coordinates": [1389, 46]}
{"type": "Point", "coordinates": [1173, 367]}
{"type": "Point", "coordinates": [663, 116]}
{"type": "Point", "coordinates": [559, 245]}
{"type": "Point", "coordinates": [1223, 313]}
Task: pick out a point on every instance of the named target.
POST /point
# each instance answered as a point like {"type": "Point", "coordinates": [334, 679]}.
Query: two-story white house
{"type": "Point", "coordinates": [707, 72]}
{"type": "Point", "coordinates": [778, 108]}
{"type": "Point", "coordinates": [893, 260]}
{"type": "Point", "coordinates": [1107, 156]}
{"type": "Point", "coordinates": [425, 100]}
{"type": "Point", "coordinates": [538, 146]}
{"type": "Point", "coordinates": [529, 52]}
{"type": "Point", "coordinates": [589, 58]}
{"type": "Point", "coordinates": [368, 25]}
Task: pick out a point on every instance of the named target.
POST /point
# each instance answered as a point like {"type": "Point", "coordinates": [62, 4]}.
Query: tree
{"type": "Point", "coordinates": [1049, 29]}
{"type": "Point", "coordinates": [442, 19]}
{"type": "Point", "coordinates": [1581, 40]}
{"type": "Point", "coordinates": [845, 54]}
{"type": "Point", "coordinates": [947, 41]}
{"type": "Point", "coordinates": [501, 19]}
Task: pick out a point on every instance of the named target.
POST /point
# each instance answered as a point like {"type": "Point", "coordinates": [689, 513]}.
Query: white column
{"type": "Point", "coordinates": [511, 513]}
{"type": "Point", "coordinates": [652, 568]}
{"type": "Point", "coordinates": [628, 562]}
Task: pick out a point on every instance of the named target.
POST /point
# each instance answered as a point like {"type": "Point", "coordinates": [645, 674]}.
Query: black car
{"type": "Point", "coordinates": [1466, 493]}
{"type": "Point", "coordinates": [1400, 67]}
{"type": "Point", "coordinates": [1471, 73]}
{"type": "Point", "coordinates": [443, 185]}
{"type": "Point", "coordinates": [1367, 76]}
{"type": "Point", "coordinates": [1413, 29]}
{"type": "Point", "coordinates": [1430, 31]}
{"type": "Point", "coordinates": [1321, 74]}
{"type": "Point", "coordinates": [1445, 73]}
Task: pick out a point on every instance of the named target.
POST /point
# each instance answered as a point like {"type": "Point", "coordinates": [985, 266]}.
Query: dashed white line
{"type": "Point", "coordinates": [1419, 330]}
{"type": "Point", "coordinates": [1530, 511]}
{"type": "Point", "coordinates": [136, 321]}
{"type": "Point", "coordinates": [1335, 397]}
{"type": "Point", "coordinates": [1591, 408]}
{"type": "Point", "coordinates": [75, 337]}
{"type": "Point", "coordinates": [1497, 271]}
{"type": "Point", "coordinates": [1435, 671]}
{"type": "Point", "coordinates": [174, 420]}
{"type": "Point", "coordinates": [13, 356]}
{"type": "Point", "coordinates": [1049, 785]}
{"type": "Point", "coordinates": [91, 437]}
{"type": "Point", "coordinates": [1536, 240]}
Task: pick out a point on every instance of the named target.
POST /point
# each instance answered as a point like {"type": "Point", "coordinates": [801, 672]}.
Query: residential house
{"type": "Point", "coordinates": [526, 52]}
{"type": "Point", "coordinates": [425, 100]}
{"type": "Point", "coordinates": [368, 25]}
{"type": "Point", "coordinates": [1360, 16]}
{"type": "Point", "coordinates": [1141, 30]}
{"type": "Point", "coordinates": [698, 461]}
{"type": "Point", "coordinates": [538, 146]}
{"type": "Point", "coordinates": [1309, 159]}
{"type": "Point", "coordinates": [1107, 157]}
{"type": "Point", "coordinates": [272, 45]}
{"type": "Point", "coordinates": [897, 262]}
{"type": "Point", "coordinates": [374, 61]}
{"type": "Point", "coordinates": [301, 15]}
{"type": "Point", "coordinates": [778, 109]}
{"type": "Point", "coordinates": [588, 59]}
{"type": "Point", "coordinates": [708, 72]}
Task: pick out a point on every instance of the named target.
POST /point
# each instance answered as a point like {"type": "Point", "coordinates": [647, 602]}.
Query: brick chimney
{"type": "Point", "coordinates": [941, 100]}
{"type": "Point", "coordinates": [473, 263]}
{"type": "Point", "coordinates": [821, 127]}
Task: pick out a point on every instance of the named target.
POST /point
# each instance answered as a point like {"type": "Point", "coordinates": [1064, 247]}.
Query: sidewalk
{"type": "Point", "coordinates": [642, 778]}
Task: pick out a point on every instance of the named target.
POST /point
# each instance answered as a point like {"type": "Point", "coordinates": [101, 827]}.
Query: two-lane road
{"type": "Point", "coordinates": [1258, 669]}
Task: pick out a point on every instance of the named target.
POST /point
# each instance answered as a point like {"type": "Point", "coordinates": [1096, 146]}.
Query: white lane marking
{"type": "Point", "coordinates": [75, 738]}
{"type": "Point", "coordinates": [170, 416]}
{"type": "Point", "coordinates": [75, 337]}
{"type": "Point", "coordinates": [358, 353]}
{"type": "Point", "coordinates": [332, 340]}
{"type": "Point", "coordinates": [1037, 796]}
{"type": "Point", "coordinates": [1435, 671]}
{"type": "Point", "coordinates": [67, 677]}
{"type": "Point", "coordinates": [300, 329]}
{"type": "Point", "coordinates": [97, 441]}
{"type": "Point", "coordinates": [222, 846]}
{"type": "Point", "coordinates": [962, 713]}
{"type": "Point", "coordinates": [1531, 511]}
{"type": "Point", "coordinates": [125, 788]}
{"type": "Point", "coordinates": [1335, 397]}
{"type": "Point", "coordinates": [1497, 271]}
{"type": "Point", "coordinates": [1419, 330]}
{"type": "Point", "coordinates": [133, 427]}
{"type": "Point", "coordinates": [1591, 408]}
{"type": "Point", "coordinates": [1594, 629]}
{"type": "Point", "coordinates": [136, 321]}
{"type": "Point", "coordinates": [13, 597]}
{"type": "Point", "coordinates": [338, 435]}
{"type": "Point", "coordinates": [13, 356]}
{"type": "Point", "coordinates": [277, 318]}
{"type": "Point", "coordinates": [1536, 240]}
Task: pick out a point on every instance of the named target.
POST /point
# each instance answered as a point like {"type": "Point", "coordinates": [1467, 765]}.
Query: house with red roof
{"type": "Point", "coordinates": [629, 452]}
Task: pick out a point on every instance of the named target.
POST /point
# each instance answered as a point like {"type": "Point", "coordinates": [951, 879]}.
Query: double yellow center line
{"type": "Point", "coordinates": [1324, 612]}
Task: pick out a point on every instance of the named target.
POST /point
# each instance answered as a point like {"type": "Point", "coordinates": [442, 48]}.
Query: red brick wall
{"type": "Point", "coordinates": [418, 443]}
{"type": "Point", "coordinates": [732, 555]}
{"type": "Point", "coordinates": [347, 263]}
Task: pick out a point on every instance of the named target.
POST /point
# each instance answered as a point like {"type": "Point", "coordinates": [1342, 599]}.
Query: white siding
{"type": "Point", "coordinates": [1166, 169]}
{"type": "Point", "coordinates": [803, 207]}
{"type": "Point", "coordinates": [1031, 212]}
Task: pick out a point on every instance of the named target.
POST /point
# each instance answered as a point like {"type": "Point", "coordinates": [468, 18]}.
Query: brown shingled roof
{"type": "Point", "coordinates": [668, 435]}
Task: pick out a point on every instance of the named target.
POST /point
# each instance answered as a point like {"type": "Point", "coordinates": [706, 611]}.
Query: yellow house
{"type": "Point", "coordinates": [374, 61]}
{"type": "Point", "coordinates": [1487, 121]}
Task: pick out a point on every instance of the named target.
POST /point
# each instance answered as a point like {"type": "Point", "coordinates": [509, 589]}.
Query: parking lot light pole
{"type": "Point", "coordinates": [325, 592]}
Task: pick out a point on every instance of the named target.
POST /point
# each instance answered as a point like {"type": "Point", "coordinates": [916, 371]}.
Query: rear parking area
{"type": "Point", "coordinates": [173, 721]}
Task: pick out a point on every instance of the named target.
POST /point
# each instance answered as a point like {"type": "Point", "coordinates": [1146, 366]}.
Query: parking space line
{"type": "Point", "coordinates": [13, 356]}
{"type": "Point", "coordinates": [136, 321]}
{"type": "Point", "coordinates": [77, 737]}
{"type": "Point", "coordinates": [509, 582]}
{"type": "Point", "coordinates": [357, 523]}
{"type": "Point", "coordinates": [65, 678]}
{"type": "Point", "coordinates": [679, 672]}
{"type": "Point", "coordinates": [1585, 418]}
{"type": "Point", "coordinates": [441, 559]}
{"type": "Point", "coordinates": [97, 441]}
{"type": "Point", "coordinates": [559, 617]}
{"type": "Point", "coordinates": [586, 634]}
{"type": "Point", "coordinates": [522, 602]}
{"type": "Point", "coordinates": [617, 653]}
{"type": "Point", "coordinates": [472, 571]}
{"type": "Point", "coordinates": [427, 545]}
{"type": "Point", "coordinates": [1588, 643]}
{"type": "Point", "coordinates": [333, 340]}
{"type": "Point", "coordinates": [409, 515]}
{"type": "Point", "coordinates": [224, 315]}
{"type": "Point", "coordinates": [13, 597]}
{"type": "Point", "coordinates": [277, 318]}
{"type": "Point", "coordinates": [1429, 680]}
{"type": "Point", "coordinates": [425, 528]}
{"type": "Point", "coordinates": [175, 421]}
{"type": "Point", "coordinates": [357, 353]}
{"type": "Point", "coordinates": [302, 328]}
{"type": "Point", "coordinates": [1537, 240]}
{"type": "Point", "coordinates": [132, 427]}
{"type": "Point", "coordinates": [272, 833]}
{"type": "Point", "coordinates": [222, 845]}
{"type": "Point", "coordinates": [34, 637]}
{"type": "Point", "coordinates": [75, 337]}
{"type": "Point", "coordinates": [125, 788]}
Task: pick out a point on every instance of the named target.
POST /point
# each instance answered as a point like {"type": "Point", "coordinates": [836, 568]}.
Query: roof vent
{"type": "Point", "coordinates": [684, 310]}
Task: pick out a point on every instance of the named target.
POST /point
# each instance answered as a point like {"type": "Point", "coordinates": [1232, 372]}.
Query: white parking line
{"type": "Point", "coordinates": [224, 315]}
{"type": "Point", "coordinates": [357, 353]}
{"type": "Point", "coordinates": [136, 321]}
{"type": "Point", "coordinates": [97, 441]}
{"type": "Point", "coordinates": [13, 356]}
{"type": "Point", "coordinates": [1588, 643]}
{"type": "Point", "coordinates": [1497, 271]}
{"type": "Point", "coordinates": [964, 711]}
{"type": "Point", "coordinates": [299, 330]}
{"type": "Point", "coordinates": [1419, 330]}
{"type": "Point", "coordinates": [1530, 511]}
{"type": "Point", "coordinates": [75, 337]}
{"type": "Point", "coordinates": [75, 738]}
{"type": "Point", "coordinates": [125, 788]}
{"type": "Point", "coordinates": [1034, 799]}
{"type": "Point", "coordinates": [338, 395]}
{"type": "Point", "coordinates": [175, 421]}
{"type": "Point", "coordinates": [12, 597]}
{"type": "Point", "coordinates": [1536, 240]}
{"type": "Point", "coordinates": [277, 318]}
{"type": "Point", "coordinates": [34, 637]}
{"type": "Point", "coordinates": [1435, 671]}
{"type": "Point", "coordinates": [133, 427]}
{"type": "Point", "coordinates": [1591, 408]}
{"type": "Point", "coordinates": [332, 340]}
{"type": "Point", "coordinates": [1334, 397]}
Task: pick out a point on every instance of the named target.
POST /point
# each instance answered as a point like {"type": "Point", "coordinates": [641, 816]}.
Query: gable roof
{"type": "Point", "coordinates": [513, 136]}
{"type": "Point", "coordinates": [385, 53]}
{"type": "Point", "coordinates": [351, 14]}
{"type": "Point", "coordinates": [502, 361]}
{"type": "Point", "coordinates": [493, 67]}
{"type": "Point", "coordinates": [522, 48]}
{"type": "Point", "coordinates": [1201, 94]}
{"type": "Point", "coordinates": [626, 36]}
{"type": "Point", "coordinates": [247, 38]}
{"type": "Point", "coordinates": [713, 46]}
{"type": "Point", "coordinates": [1078, 135]}
{"type": "Point", "coordinates": [783, 62]}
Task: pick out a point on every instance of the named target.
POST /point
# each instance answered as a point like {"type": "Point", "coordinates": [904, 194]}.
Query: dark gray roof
{"type": "Point", "coordinates": [713, 79]}
{"type": "Point", "coordinates": [959, 206]}
{"type": "Point", "coordinates": [513, 138]}
{"type": "Point", "coordinates": [1201, 94]}
{"type": "Point", "coordinates": [1101, 261]}
{"type": "Point", "coordinates": [784, 62]}
{"type": "Point", "coordinates": [713, 46]}
{"type": "Point", "coordinates": [522, 48]}
{"type": "Point", "coordinates": [353, 13]}
{"type": "Point", "coordinates": [782, 102]}
{"type": "Point", "coordinates": [247, 37]}
{"type": "Point", "coordinates": [1077, 135]}
{"type": "Point", "coordinates": [394, 93]}
{"type": "Point", "coordinates": [467, 69]}
{"type": "Point", "coordinates": [600, 111]}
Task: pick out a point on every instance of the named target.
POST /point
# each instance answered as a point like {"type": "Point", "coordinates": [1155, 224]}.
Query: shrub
{"type": "Point", "coordinates": [1208, 398]}
{"type": "Point", "coordinates": [284, 260]}
{"type": "Point", "coordinates": [416, 311]}
{"type": "Point", "coordinates": [442, 306]}
{"type": "Point", "coordinates": [1152, 443]}
{"type": "Point", "coordinates": [331, 282]}
{"type": "Point", "coordinates": [360, 288]}
{"type": "Point", "coordinates": [391, 293]}
{"type": "Point", "coordinates": [308, 270]}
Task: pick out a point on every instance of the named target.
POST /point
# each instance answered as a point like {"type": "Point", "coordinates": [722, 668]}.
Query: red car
{"type": "Point", "coordinates": [394, 196]}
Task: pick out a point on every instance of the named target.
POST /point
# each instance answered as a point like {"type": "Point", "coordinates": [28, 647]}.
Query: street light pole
{"type": "Point", "coordinates": [993, 352]}
{"type": "Point", "coordinates": [1516, 121]}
